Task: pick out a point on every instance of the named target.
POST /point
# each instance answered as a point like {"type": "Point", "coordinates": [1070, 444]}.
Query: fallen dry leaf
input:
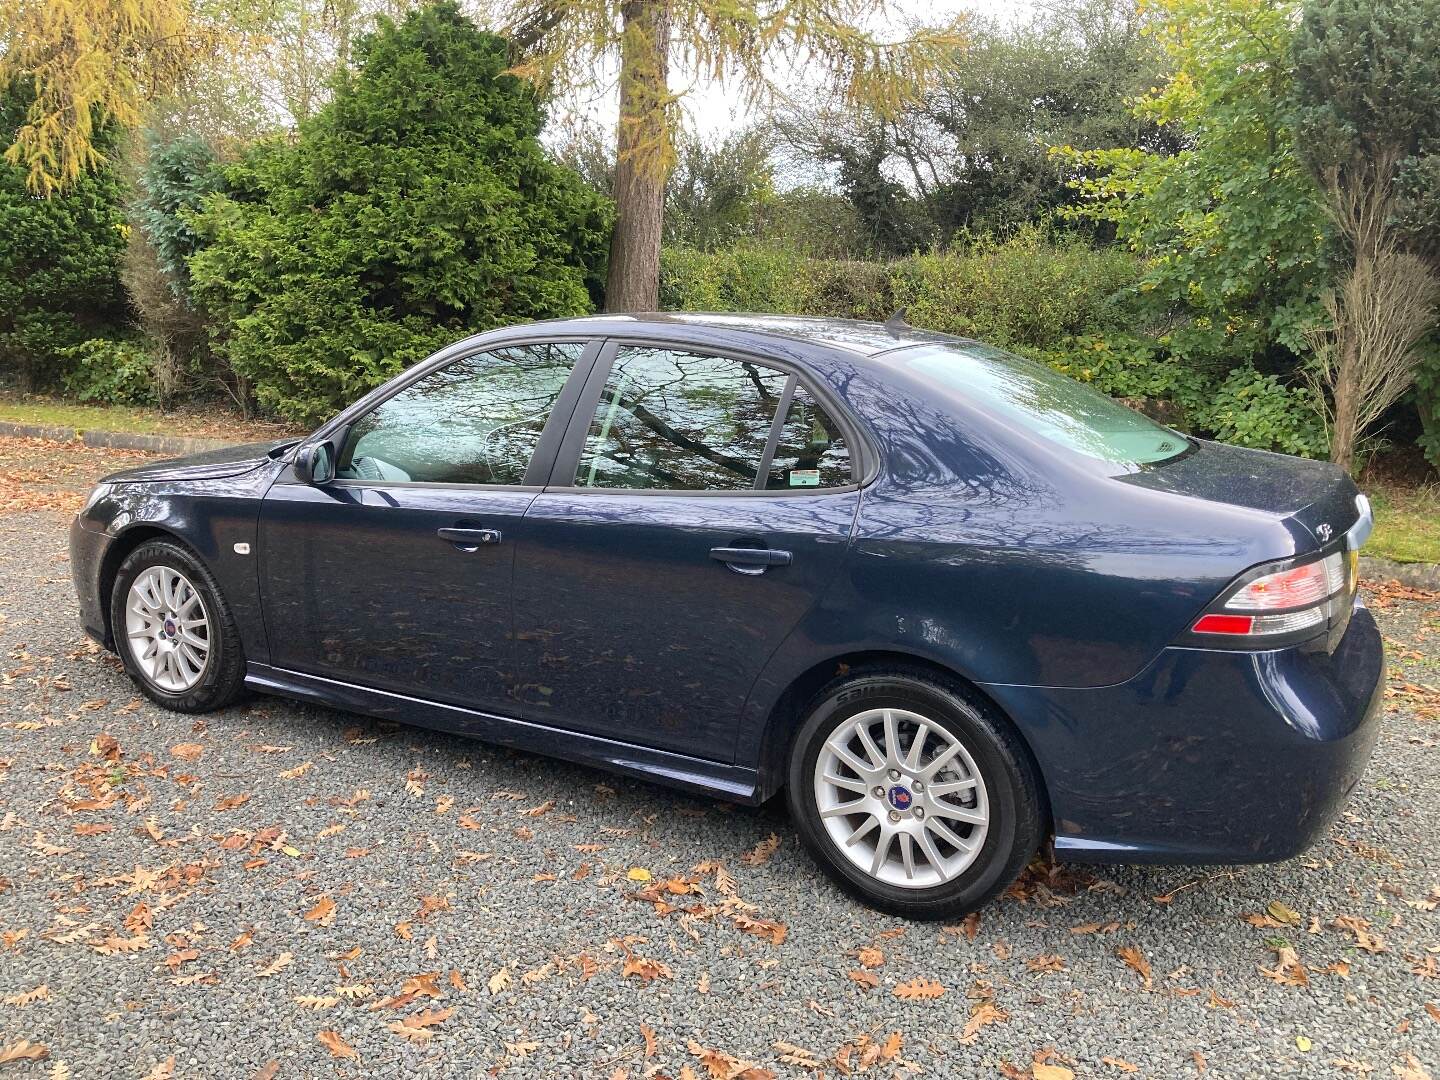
{"type": "Point", "coordinates": [427, 1019]}
{"type": "Point", "coordinates": [24, 1050]}
{"type": "Point", "coordinates": [645, 969]}
{"type": "Point", "coordinates": [1284, 914]}
{"type": "Point", "coordinates": [1046, 962]}
{"type": "Point", "coordinates": [317, 1002]}
{"type": "Point", "coordinates": [984, 1014]}
{"type": "Point", "coordinates": [323, 913]}
{"type": "Point", "coordinates": [761, 852]}
{"type": "Point", "coordinates": [274, 967]}
{"type": "Point", "coordinates": [791, 1054]}
{"type": "Point", "coordinates": [919, 990]}
{"type": "Point", "coordinates": [1135, 961]}
{"type": "Point", "coordinates": [337, 1046]}
{"type": "Point", "coordinates": [1288, 971]}
{"type": "Point", "coordinates": [41, 992]}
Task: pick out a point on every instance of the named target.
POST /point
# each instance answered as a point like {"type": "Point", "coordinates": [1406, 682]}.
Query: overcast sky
{"type": "Point", "coordinates": [711, 109]}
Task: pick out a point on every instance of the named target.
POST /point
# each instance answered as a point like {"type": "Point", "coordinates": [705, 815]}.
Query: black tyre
{"type": "Point", "coordinates": [173, 630]}
{"type": "Point", "coordinates": [912, 794]}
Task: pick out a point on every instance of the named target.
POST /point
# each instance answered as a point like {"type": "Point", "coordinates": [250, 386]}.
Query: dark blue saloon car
{"type": "Point", "coordinates": [946, 599]}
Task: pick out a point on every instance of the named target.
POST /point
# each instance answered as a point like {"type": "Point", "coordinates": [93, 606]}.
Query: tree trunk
{"type": "Point", "coordinates": [1343, 434]}
{"type": "Point", "coordinates": [633, 281]}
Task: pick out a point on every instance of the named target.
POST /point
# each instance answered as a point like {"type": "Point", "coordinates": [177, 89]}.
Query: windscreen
{"type": "Point", "coordinates": [1040, 399]}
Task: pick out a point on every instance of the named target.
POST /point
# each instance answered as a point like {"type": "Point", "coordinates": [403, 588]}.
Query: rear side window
{"type": "Point", "coordinates": [475, 421]}
{"type": "Point", "coordinates": [673, 420]}
{"type": "Point", "coordinates": [812, 450]}
{"type": "Point", "coordinates": [1040, 399]}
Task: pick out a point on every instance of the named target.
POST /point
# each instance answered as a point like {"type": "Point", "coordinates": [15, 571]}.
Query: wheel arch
{"type": "Point", "coordinates": [115, 554]}
{"type": "Point", "coordinates": [785, 717]}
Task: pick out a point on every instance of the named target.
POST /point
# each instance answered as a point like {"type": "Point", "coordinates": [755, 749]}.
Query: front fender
{"type": "Point", "coordinates": [215, 517]}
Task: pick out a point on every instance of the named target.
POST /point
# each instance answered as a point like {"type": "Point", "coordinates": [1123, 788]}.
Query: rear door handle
{"type": "Point", "coordinates": [750, 560]}
{"type": "Point", "coordinates": [469, 539]}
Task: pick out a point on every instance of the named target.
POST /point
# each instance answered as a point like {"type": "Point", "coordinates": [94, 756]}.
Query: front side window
{"type": "Point", "coordinates": [680, 421]}
{"type": "Point", "coordinates": [475, 421]}
{"type": "Point", "coordinates": [1041, 400]}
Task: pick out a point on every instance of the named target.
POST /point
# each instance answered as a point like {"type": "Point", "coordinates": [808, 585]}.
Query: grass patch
{"type": "Point", "coordinates": [87, 417]}
{"type": "Point", "coordinates": [1407, 522]}
{"type": "Point", "coordinates": [198, 422]}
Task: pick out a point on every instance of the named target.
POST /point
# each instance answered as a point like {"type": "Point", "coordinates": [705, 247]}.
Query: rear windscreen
{"type": "Point", "coordinates": [1043, 401]}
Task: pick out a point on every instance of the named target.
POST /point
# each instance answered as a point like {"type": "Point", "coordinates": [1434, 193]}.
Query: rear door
{"type": "Point", "coordinates": [699, 506]}
{"type": "Point", "coordinates": [397, 574]}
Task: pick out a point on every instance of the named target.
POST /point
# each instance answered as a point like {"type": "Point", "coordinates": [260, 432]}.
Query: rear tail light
{"type": "Point", "coordinates": [1285, 601]}
{"type": "Point", "coordinates": [1298, 587]}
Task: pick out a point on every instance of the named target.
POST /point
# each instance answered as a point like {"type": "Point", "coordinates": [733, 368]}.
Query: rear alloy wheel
{"type": "Point", "coordinates": [173, 630]}
{"type": "Point", "coordinates": [912, 795]}
{"type": "Point", "coordinates": [901, 798]}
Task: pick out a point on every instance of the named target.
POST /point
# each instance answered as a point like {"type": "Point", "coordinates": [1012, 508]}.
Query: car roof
{"type": "Point", "coordinates": [849, 335]}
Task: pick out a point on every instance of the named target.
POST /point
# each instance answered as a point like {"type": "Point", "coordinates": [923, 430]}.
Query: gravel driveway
{"type": "Point", "coordinates": [279, 890]}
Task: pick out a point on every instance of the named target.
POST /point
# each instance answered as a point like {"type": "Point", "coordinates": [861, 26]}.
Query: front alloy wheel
{"type": "Point", "coordinates": [168, 628]}
{"type": "Point", "coordinates": [173, 629]}
{"type": "Point", "coordinates": [913, 793]}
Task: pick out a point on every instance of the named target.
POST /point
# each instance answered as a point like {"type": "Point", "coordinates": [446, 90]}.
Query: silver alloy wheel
{"type": "Point", "coordinates": [168, 628]}
{"type": "Point", "coordinates": [901, 798]}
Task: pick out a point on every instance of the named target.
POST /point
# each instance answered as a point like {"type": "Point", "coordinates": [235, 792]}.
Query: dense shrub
{"type": "Point", "coordinates": [173, 182]}
{"type": "Point", "coordinates": [1251, 409]}
{"type": "Point", "coordinates": [109, 371]}
{"type": "Point", "coordinates": [1427, 398]}
{"type": "Point", "coordinates": [1137, 369]}
{"type": "Point", "coordinates": [749, 277]}
{"type": "Point", "coordinates": [416, 207]}
{"type": "Point", "coordinates": [59, 262]}
{"type": "Point", "coordinates": [1022, 292]}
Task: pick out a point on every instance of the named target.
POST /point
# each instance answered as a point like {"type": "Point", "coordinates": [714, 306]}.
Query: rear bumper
{"type": "Point", "coordinates": [87, 557]}
{"type": "Point", "coordinates": [1207, 756]}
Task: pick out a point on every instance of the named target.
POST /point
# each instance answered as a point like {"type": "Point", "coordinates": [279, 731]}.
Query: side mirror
{"type": "Point", "coordinates": [315, 464]}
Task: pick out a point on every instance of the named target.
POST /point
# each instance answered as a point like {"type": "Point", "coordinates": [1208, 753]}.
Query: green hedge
{"type": "Point", "coordinates": [1063, 302]}
{"type": "Point", "coordinates": [1025, 292]}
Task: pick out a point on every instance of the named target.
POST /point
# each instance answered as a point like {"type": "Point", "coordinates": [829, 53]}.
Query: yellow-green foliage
{"type": "Point", "coordinates": [92, 59]}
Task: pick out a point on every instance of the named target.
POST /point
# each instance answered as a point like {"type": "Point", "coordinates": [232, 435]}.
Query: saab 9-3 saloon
{"type": "Point", "coordinates": [948, 600]}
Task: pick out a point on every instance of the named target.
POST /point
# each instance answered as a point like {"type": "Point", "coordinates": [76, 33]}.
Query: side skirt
{"type": "Point", "coordinates": [730, 782]}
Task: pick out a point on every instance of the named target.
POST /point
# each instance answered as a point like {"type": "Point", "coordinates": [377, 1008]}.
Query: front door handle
{"type": "Point", "coordinates": [469, 539]}
{"type": "Point", "coordinates": [746, 560]}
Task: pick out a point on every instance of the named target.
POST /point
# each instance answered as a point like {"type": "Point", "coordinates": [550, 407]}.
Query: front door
{"type": "Point", "coordinates": [704, 505]}
{"type": "Point", "coordinates": [397, 574]}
